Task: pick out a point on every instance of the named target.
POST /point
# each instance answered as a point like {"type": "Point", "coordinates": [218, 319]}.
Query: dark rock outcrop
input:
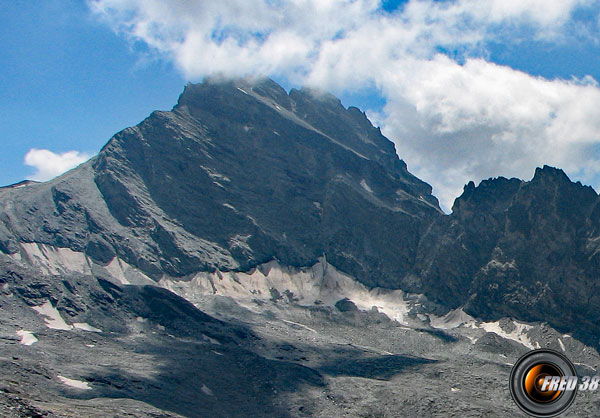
{"type": "Point", "coordinates": [237, 174]}
{"type": "Point", "coordinates": [528, 250]}
{"type": "Point", "coordinates": [241, 172]}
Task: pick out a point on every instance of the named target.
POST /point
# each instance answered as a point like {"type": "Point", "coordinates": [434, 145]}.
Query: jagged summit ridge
{"type": "Point", "coordinates": [241, 173]}
{"type": "Point", "coordinates": [262, 208]}
{"type": "Point", "coordinates": [314, 110]}
{"type": "Point", "coordinates": [237, 174]}
{"type": "Point", "coordinates": [528, 249]}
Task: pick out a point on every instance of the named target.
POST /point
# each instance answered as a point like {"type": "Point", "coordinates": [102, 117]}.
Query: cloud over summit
{"type": "Point", "coordinates": [454, 114]}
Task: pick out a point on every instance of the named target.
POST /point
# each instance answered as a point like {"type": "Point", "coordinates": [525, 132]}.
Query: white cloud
{"type": "Point", "coordinates": [49, 164]}
{"type": "Point", "coordinates": [454, 123]}
{"type": "Point", "coordinates": [290, 36]}
{"type": "Point", "coordinates": [453, 119]}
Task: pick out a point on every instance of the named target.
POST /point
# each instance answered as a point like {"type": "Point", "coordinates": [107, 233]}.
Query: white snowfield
{"type": "Point", "coordinates": [84, 326]}
{"type": "Point", "coordinates": [451, 320]}
{"type": "Point", "coordinates": [458, 318]}
{"type": "Point", "coordinates": [52, 316]}
{"type": "Point", "coordinates": [57, 260]}
{"type": "Point", "coordinates": [206, 390]}
{"type": "Point", "coordinates": [78, 384]}
{"type": "Point", "coordinates": [519, 334]}
{"type": "Point", "coordinates": [52, 260]}
{"type": "Point", "coordinates": [300, 325]}
{"type": "Point", "coordinates": [27, 337]}
{"type": "Point", "coordinates": [365, 186]}
{"type": "Point", "coordinates": [54, 320]}
{"type": "Point", "coordinates": [320, 284]}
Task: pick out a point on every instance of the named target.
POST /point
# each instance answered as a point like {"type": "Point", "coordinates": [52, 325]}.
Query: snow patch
{"type": "Point", "coordinates": [54, 260]}
{"type": "Point", "coordinates": [210, 340]}
{"type": "Point", "coordinates": [116, 270]}
{"type": "Point", "coordinates": [125, 273]}
{"type": "Point", "coordinates": [519, 334]}
{"type": "Point", "coordinates": [15, 256]}
{"type": "Point", "coordinates": [27, 337]}
{"type": "Point", "coordinates": [213, 174]}
{"type": "Point", "coordinates": [57, 260]}
{"type": "Point", "coordinates": [586, 366]}
{"type": "Point", "coordinates": [451, 320]}
{"type": "Point", "coordinates": [54, 320]}
{"type": "Point", "coordinates": [300, 325]}
{"type": "Point", "coordinates": [365, 186]}
{"type": "Point", "coordinates": [206, 390]}
{"type": "Point", "coordinates": [78, 384]}
{"type": "Point", "coordinates": [52, 316]}
{"type": "Point", "coordinates": [84, 326]}
{"type": "Point", "coordinates": [320, 284]}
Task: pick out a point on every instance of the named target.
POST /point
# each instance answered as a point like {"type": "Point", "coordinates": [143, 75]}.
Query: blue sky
{"type": "Point", "coordinates": [467, 89]}
{"type": "Point", "coordinates": [69, 82]}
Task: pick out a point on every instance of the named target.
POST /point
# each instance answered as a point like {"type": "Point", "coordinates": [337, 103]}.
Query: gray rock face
{"type": "Point", "coordinates": [237, 174]}
{"type": "Point", "coordinates": [241, 173]}
{"type": "Point", "coordinates": [523, 249]}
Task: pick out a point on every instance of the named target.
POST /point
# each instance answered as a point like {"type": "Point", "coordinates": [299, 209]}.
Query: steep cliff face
{"type": "Point", "coordinates": [257, 211]}
{"type": "Point", "coordinates": [237, 174]}
{"type": "Point", "coordinates": [240, 173]}
{"type": "Point", "coordinates": [529, 250]}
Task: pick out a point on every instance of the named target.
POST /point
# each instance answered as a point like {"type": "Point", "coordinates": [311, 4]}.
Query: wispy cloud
{"type": "Point", "coordinates": [454, 115]}
{"type": "Point", "coordinates": [49, 164]}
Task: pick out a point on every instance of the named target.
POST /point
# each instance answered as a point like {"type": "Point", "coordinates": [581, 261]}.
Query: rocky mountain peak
{"type": "Point", "coordinates": [316, 94]}
{"type": "Point", "coordinates": [491, 195]}
{"type": "Point", "coordinates": [239, 101]}
{"type": "Point", "coordinates": [524, 247]}
{"type": "Point", "coordinates": [554, 178]}
{"type": "Point", "coordinates": [549, 189]}
{"type": "Point", "coordinates": [552, 195]}
{"type": "Point", "coordinates": [550, 173]}
{"type": "Point", "coordinates": [241, 173]}
{"type": "Point", "coordinates": [237, 174]}
{"type": "Point", "coordinates": [223, 89]}
{"type": "Point", "coordinates": [292, 221]}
